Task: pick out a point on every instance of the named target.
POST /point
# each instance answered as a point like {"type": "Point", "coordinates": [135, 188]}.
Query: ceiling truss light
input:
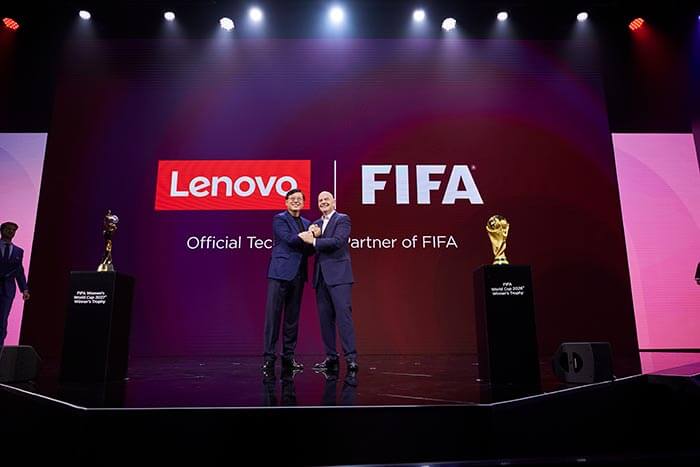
{"type": "Point", "coordinates": [419, 16]}
{"type": "Point", "coordinates": [636, 24]}
{"type": "Point", "coordinates": [337, 15]}
{"type": "Point", "coordinates": [10, 24]}
{"type": "Point", "coordinates": [226, 23]}
{"type": "Point", "coordinates": [449, 24]}
{"type": "Point", "coordinates": [255, 14]}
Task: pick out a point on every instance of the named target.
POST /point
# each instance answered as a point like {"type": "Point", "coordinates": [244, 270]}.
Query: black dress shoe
{"type": "Point", "coordinates": [269, 379]}
{"type": "Point", "coordinates": [353, 366]}
{"type": "Point", "coordinates": [268, 365]}
{"type": "Point", "coordinates": [291, 364]}
{"type": "Point", "coordinates": [329, 364]}
{"type": "Point", "coordinates": [289, 373]}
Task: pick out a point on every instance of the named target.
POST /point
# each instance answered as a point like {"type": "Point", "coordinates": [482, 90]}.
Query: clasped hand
{"type": "Point", "coordinates": [308, 236]}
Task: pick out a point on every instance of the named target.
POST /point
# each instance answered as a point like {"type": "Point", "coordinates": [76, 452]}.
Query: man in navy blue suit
{"type": "Point", "coordinates": [333, 282]}
{"type": "Point", "coordinates": [11, 273]}
{"type": "Point", "coordinates": [285, 282]}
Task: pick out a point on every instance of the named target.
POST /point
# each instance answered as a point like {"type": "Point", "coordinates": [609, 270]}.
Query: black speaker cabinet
{"type": "Point", "coordinates": [583, 362]}
{"type": "Point", "coordinates": [19, 363]}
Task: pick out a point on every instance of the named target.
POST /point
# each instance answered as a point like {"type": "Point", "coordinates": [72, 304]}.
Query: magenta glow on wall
{"type": "Point", "coordinates": [21, 163]}
{"type": "Point", "coordinates": [659, 184]}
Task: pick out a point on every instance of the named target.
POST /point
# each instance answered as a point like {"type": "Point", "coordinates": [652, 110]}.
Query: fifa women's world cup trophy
{"type": "Point", "coordinates": [109, 227]}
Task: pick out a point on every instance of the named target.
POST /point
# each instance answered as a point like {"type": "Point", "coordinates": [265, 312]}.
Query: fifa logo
{"type": "Point", "coordinates": [421, 183]}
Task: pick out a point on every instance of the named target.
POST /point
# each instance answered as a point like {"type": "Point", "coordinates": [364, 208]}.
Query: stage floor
{"type": "Point", "coordinates": [398, 410]}
{"type": "Point", "coordinates": [237, 381]}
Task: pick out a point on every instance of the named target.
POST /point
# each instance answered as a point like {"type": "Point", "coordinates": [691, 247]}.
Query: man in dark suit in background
{"type": "Point", "coordinates": [333, 282]}
{"type": "Point", "coordinates": [11, 273]}
{"type": "Point", "coordinates": [286, 277]}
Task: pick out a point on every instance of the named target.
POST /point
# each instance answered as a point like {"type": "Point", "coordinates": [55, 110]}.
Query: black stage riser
{"type": "Point", "coordinates": [637, 415]}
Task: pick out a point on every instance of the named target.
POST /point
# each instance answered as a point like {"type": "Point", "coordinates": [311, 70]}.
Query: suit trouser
{"type": "Point", "coordinates": [282, 295]}
{"type": "Point", "coordinates": [5, 306]}
{"type": "Point", "coordinates": [334, 306]}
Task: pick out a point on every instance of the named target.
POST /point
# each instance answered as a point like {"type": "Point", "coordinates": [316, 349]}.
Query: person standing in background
{"type": "Point", "coordinates": [11, 275]}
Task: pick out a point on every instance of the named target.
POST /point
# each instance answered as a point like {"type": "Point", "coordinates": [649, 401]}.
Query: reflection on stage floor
{"type": "Point", "coordinates": [238, 381]}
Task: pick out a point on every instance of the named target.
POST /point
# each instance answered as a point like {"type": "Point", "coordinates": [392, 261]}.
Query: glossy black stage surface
{"type": "Point", "coordinates": [237, 381]}
{"type": "Point", "coordinates": [407, 409]}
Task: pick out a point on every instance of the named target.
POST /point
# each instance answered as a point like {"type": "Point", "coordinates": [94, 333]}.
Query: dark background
{"type": "Point", "coordinates": [646, 80]}
{"type": "Point", "coordinates": [527, 117]}
{"type": "Point", "coordinates": [646, 90]}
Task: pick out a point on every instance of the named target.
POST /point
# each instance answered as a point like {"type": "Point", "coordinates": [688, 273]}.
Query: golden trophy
{"type": "Point", "coordinates": [497, 227]}
{"type": "Point", "coordinates": [109, 227]}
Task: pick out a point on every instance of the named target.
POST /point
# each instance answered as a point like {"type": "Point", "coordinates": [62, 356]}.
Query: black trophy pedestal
{"type": "Point", "coordinates": [505, 325]}
{"type": "Point", "coordinates": [96, 339]}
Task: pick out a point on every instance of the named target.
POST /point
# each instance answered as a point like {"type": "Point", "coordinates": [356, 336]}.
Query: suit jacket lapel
{"type": "Point", "coordinates": [331, 224]}
{"type": "Point", "coordinates": [290, 221]}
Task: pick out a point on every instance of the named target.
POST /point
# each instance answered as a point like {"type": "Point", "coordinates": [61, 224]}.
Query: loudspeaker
{"type": "Point", "coordinates": [583, 362]}
{"type": "Point", "coordinates": [18, 364]}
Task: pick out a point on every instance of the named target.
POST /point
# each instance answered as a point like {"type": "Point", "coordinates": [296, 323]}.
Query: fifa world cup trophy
{"type": "Point", "coordinates": [497, 228]}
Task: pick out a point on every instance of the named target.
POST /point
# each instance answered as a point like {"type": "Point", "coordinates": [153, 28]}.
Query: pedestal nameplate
{"type": "Point", "coordinates": [98, 320]}
{"type": "Point", "coordinates": [505, 325]}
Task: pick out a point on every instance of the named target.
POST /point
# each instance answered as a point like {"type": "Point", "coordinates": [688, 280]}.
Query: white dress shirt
{"type": "Point", "coordinates": [326, 219]}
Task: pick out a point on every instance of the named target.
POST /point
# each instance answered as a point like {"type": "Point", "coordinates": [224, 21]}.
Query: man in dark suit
{"type": "Point", "coordinates": [286, 277]}
{"type": "Point", "coordinates": [11, 273]}
{"type": "Point", "coordinates": [333, 282]}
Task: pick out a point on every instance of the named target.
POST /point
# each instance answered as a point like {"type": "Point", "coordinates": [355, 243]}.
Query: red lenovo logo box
{"type": "Point", "coordinates": [229, 185]}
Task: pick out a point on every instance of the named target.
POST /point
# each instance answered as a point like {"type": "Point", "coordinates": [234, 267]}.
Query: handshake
{"type": "Point", "coordinates": [308, 236]}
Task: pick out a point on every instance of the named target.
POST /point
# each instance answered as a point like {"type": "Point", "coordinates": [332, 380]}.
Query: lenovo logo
{"type": "Point", "coordinates": [229, 185]}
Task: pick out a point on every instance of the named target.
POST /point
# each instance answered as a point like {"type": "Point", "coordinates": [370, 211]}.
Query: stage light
{"type": "Point", "coordinates": [10, 24]}
{"type": "Point", "coordinates": [581, 17]}
{"type": "Point", "coordinates": [502, 16]}
{"type": "Point", "coordinates": [84, 14]}
{"type": "Point", "coordinates": [226, 23]}
{"type": "Point", "coordinates": [449, 24]}
{"type": "Point", "coordinates": [636, 24]}
{"type": "Point", "coordinates": [169, 16]}
{"type": "Point", "coordinates": [255, 14]}
{"type": "Point", "coordinates": [418, 16]}
{"type": "Point", "coordinates": [336, 14]}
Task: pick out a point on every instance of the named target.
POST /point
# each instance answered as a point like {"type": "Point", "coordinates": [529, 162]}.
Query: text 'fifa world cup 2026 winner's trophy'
{"type": "Point", "coordinates": [497, 227]}
{"type": "Point", "coordinates": [109, 227]}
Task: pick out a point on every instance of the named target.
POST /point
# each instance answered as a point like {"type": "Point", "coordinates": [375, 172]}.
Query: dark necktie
{"type": "Point", "coordinates": [6, 253]}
